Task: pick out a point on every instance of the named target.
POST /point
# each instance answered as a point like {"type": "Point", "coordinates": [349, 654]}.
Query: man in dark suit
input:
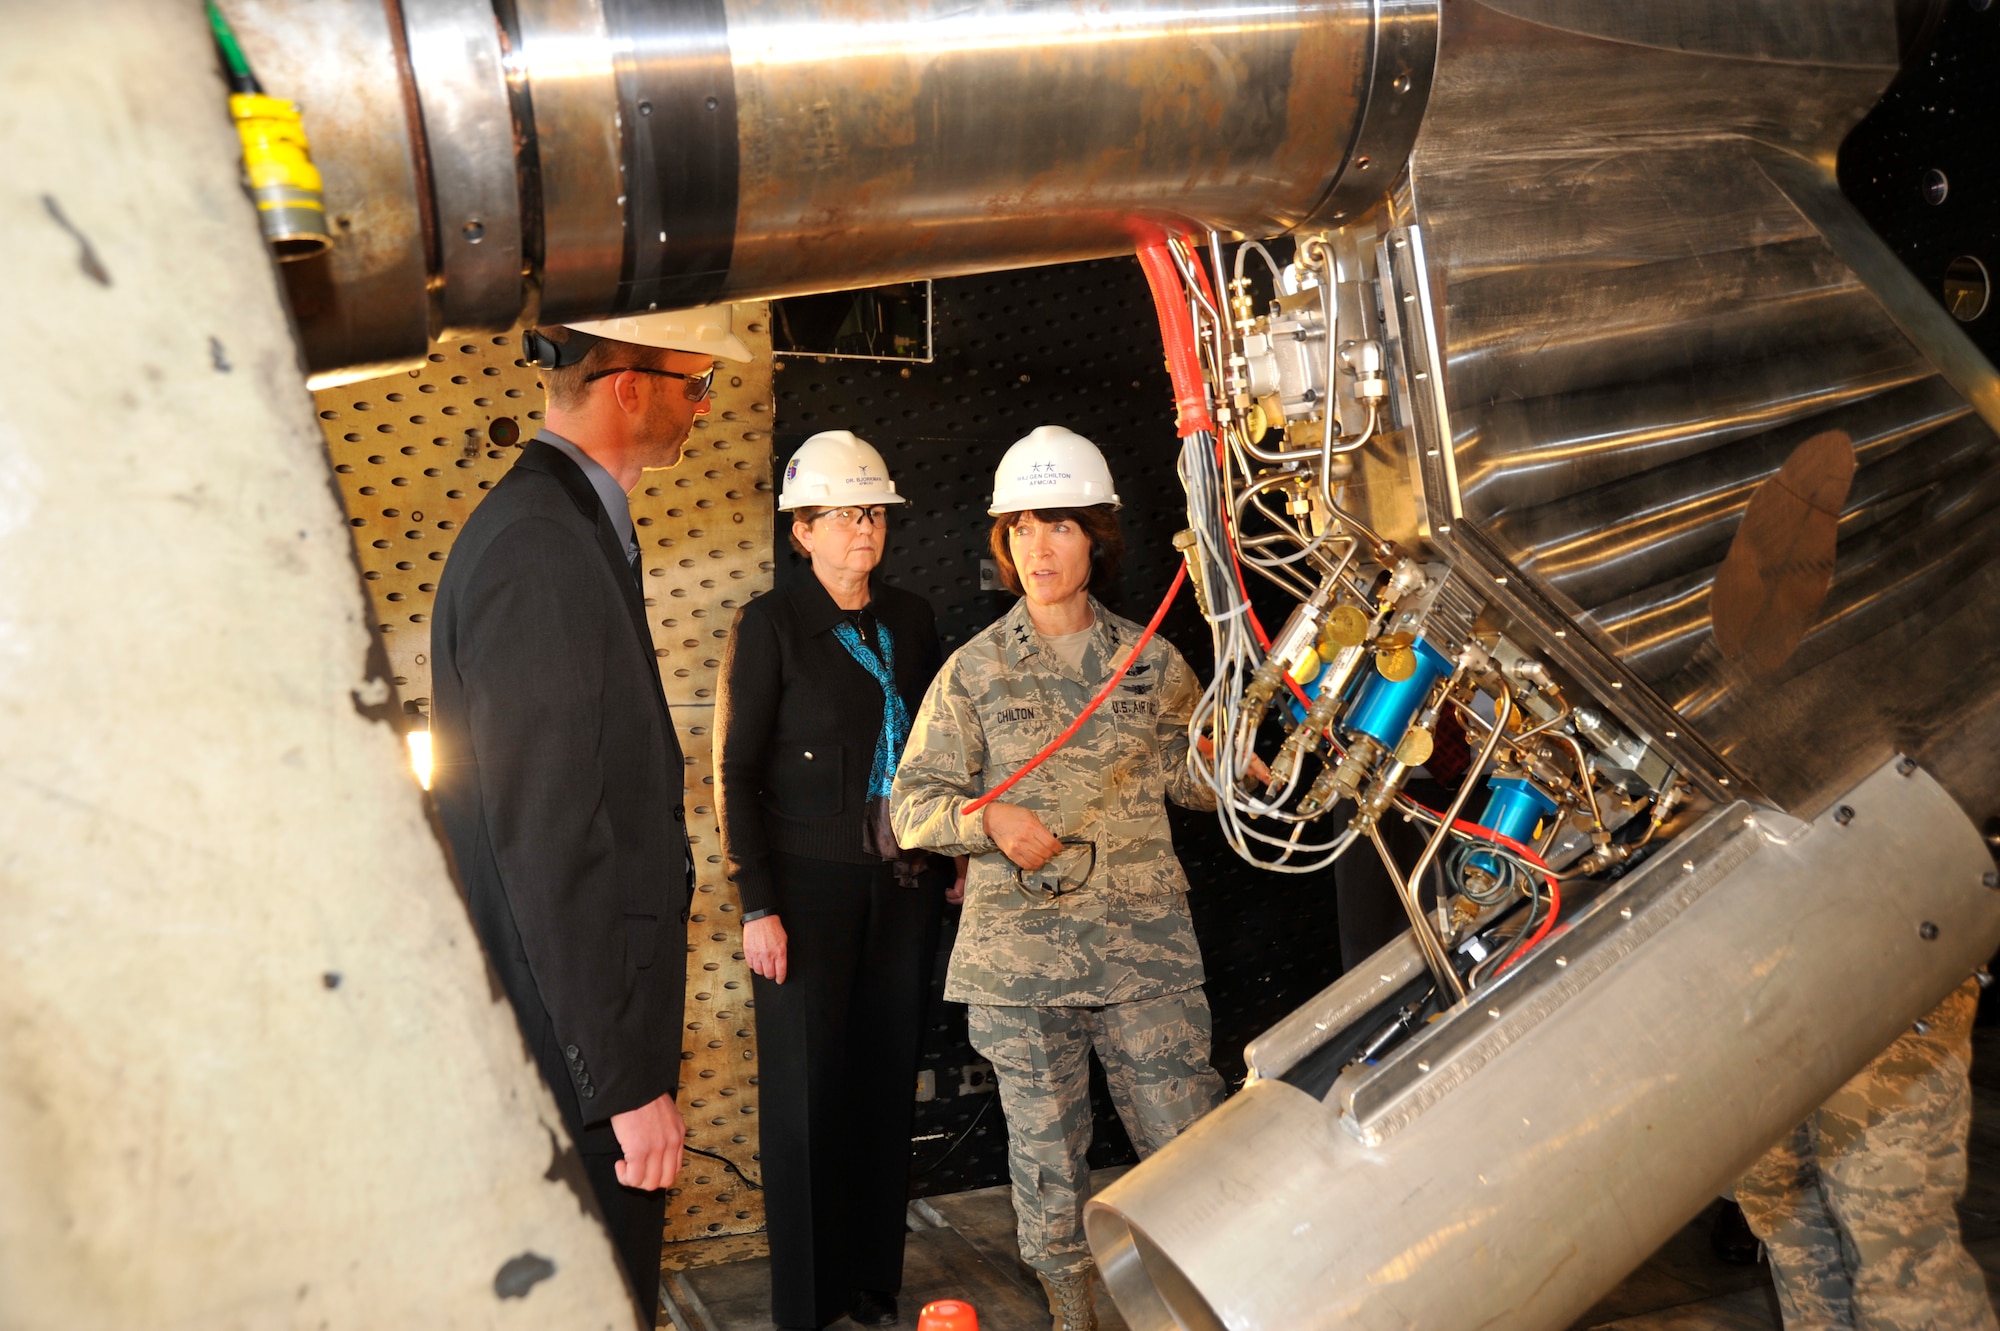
{"type": "Point", "coordinates": [558, 776]}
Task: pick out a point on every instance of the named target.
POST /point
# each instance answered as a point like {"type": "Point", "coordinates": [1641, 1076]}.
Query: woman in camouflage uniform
{"type": "Point", "coordinates": [1076, 932]}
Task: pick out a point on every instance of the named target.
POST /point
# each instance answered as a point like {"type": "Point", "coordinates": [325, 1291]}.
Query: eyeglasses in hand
{"type": "Point", "coordinates": [694, 386]}
{"type": "Point", "coordinates": [1061, 866]}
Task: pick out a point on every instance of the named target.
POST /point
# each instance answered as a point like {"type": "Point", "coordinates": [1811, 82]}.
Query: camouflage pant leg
{"type": "Point", "coordinates": [1155, 1056]}
{"type": "Point", "coordinates": [1781, 1199]}
{"type": "Point", "coordinates": [1891, 1148]}
{"type": "Point", "coordinates": [1041, 1059]}
{"type": "Point", "coordinates": [1856, 1207]}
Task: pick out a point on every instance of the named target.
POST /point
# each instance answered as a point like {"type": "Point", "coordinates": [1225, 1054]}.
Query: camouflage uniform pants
{"type": "Point", "coordinates": [1155, 1056]}
{"type": "Point", "coordinates": [1855, 1207]}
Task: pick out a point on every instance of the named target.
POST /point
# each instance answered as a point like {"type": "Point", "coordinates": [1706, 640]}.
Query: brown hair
{"type": "Point", "coordinates": [1099, 523]}
{"type": "Point", "coordinates": [567, 385]}
{"type": "Point", "coordinates": [805, 515]}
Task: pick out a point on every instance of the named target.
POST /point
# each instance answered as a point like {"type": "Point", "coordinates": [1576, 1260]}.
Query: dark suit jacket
{"type": "Point", "coordinates": [559, 780]}
{"type": "Point", "coordinates": [796, 720]}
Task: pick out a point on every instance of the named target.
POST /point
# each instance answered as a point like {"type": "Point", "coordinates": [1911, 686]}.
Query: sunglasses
{"type": "Point", "coordinates": [695, 386]}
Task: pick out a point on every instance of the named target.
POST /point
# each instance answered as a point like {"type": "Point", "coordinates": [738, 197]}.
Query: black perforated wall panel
{"type": "Point", "coordinates": [1074, 345]}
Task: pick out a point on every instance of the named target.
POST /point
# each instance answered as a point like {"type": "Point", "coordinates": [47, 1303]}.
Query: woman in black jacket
{"type": "Point", "coordinates": [839, 926]}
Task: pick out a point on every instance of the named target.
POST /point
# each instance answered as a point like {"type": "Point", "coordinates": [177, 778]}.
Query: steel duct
{"type": "Point", "coordinates": [1514, 1161]}
{"type": "Point", "coordinates": [627, 155]}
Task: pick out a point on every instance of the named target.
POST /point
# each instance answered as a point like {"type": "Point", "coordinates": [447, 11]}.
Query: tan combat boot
{"type": "Point", "coordinates": [1072, 1304]}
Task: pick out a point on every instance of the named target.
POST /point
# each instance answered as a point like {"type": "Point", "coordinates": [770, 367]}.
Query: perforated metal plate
{"type": "Point", "coordinates": [412, 454]}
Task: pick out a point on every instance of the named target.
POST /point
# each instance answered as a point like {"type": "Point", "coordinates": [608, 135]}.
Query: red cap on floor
{"type": "Point", "coordinates": [948, 1315]}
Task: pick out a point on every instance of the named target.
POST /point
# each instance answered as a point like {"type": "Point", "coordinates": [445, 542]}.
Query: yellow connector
{"type": "Point", "coordinates": [283, 179]}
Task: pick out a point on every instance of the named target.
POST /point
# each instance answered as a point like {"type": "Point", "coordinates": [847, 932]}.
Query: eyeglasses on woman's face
{"type": "Point", "coordinates": [850, 517]}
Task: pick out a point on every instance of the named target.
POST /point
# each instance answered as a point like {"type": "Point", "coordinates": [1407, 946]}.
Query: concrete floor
{"type": "Point", "coordinates": [962, 1246]}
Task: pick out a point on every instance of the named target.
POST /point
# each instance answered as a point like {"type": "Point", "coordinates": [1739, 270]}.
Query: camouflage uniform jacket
{"type": "Point", "coordinates": [1124, 934]}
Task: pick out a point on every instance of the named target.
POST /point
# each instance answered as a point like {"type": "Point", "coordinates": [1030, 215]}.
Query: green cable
{"type": "Point", "coordinates": [240, 77]}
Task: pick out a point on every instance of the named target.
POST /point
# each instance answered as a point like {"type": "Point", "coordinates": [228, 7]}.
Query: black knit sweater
{"type": "Point", "coordinates": [796, 723]}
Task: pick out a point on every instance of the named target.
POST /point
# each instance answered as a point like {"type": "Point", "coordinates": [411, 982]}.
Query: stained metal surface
{"type": "Point", "coordinates": [731, 148]}
{"type": "Point", "coordinates": [412, 453]}
{"type": "Point", "coordinates": [1651, 293]}
{"type": "Point", "coordinates": [363, 308]}
{"type": "Point", "coordinates": [559, 55]}
{"type": "Point", "coordinates": [1513, 1162]}
{"type": "Point", "coordinates": [469, 138]}
{"type": "Point", "coordinates": [909, 138]}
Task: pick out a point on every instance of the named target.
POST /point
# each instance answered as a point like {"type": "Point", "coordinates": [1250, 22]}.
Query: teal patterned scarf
{"type": "Point", "coordinates": [895, 714]}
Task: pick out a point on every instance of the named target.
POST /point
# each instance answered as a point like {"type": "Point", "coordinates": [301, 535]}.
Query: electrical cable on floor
{"type": "Point", "coordinates": [957, 1141]}
{"type": "Point", "coordinates": [735, 1168]}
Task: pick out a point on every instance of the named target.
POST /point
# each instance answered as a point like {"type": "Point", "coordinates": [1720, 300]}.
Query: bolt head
{"type": "Point", "coordinates": [1991, 878]}
{"type": "Point", "coordinates": [1844, 814]}
{"type": "Point", "coordinates": [1927, 931]}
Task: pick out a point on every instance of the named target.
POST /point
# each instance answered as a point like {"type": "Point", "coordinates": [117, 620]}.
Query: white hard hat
{"type": "Point", "coordinates": [1051, 467]}
{"type": "Point", "coordinates": [704, 331]}
{"type": "Point", "coordinates": [835, 468]}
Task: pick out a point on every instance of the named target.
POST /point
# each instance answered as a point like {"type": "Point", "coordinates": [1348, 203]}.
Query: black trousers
{"type": "Point", "coordinates": [837, 1047]}
{"type": "Point", "coordinates": [638, 1222]}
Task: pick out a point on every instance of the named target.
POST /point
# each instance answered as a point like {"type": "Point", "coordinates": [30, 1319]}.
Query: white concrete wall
{"type": "Point", "coordinates": [251, 1069]}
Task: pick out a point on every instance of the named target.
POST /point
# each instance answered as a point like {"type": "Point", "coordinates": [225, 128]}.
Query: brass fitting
{"type": "Point", "coordinates": [1343, 780]}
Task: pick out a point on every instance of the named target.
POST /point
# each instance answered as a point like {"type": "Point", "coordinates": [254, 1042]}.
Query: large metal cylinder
{"type": "Point", "coordinates": [1509, 1165]}
{"type": "Point", "coordinates": [722, 149]}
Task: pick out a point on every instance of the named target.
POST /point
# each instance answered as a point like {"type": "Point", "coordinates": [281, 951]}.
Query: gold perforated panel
{"type": "Point", "coordinates": [412, 454]}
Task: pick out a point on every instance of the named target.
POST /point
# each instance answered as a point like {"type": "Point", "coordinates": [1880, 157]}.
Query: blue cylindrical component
{"type": "Point", "coordinates": [1383, 708]}
{"type": "Point", "coordinates": [1513, 809]}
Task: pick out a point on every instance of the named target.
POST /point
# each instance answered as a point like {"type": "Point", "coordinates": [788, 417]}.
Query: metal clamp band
{"type": "Point", "coordinates": [677, 97]}
{"type": "Point", "coordinates": [565, 59]}
{"type": "Point", "coordinates": [1399, 88]}
{"type": "Point", "coordinates": [469, 131]}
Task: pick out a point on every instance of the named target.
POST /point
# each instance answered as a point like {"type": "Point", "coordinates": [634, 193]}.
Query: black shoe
{"type": "Point", "coordinates": [874, 1308]}
{"type": "Point", "coordinates": [1730, 1238]}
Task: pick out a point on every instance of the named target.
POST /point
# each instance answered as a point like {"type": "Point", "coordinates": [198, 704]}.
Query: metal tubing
{"type": "Point", "coordinates": [1502, 713]}
{"type": "Point", "coordinates": [1435, 955]}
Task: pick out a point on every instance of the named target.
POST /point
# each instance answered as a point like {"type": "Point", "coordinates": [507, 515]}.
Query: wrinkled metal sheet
{"type": "Point", "coordinates": [1650, 295]}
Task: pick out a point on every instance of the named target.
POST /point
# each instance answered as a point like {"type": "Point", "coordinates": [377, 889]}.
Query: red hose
{"type": "Point", "coordinates": [1193, 245]}
{"type": "Point", "coordinates": [1152, 627]}
{"type": "Point", "coordinates": [1177, 332]}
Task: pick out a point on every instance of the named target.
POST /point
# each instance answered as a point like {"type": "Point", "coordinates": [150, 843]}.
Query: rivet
{"type": "Point", "coordinates": [1423, 1066]}
{"type": "Point", "coordinates": [1844, 814]}
{"type": "Point", "coordinates": [1493, 1012]}
{"type": "Point", "coordinates": [1625, 913]}
{"type": "Point", "coordinates": [1687, 866]}
{"type": "Point", "coordinates": [1562, 961]}
{"type": "Point", "coordinates": [1927, 931]}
